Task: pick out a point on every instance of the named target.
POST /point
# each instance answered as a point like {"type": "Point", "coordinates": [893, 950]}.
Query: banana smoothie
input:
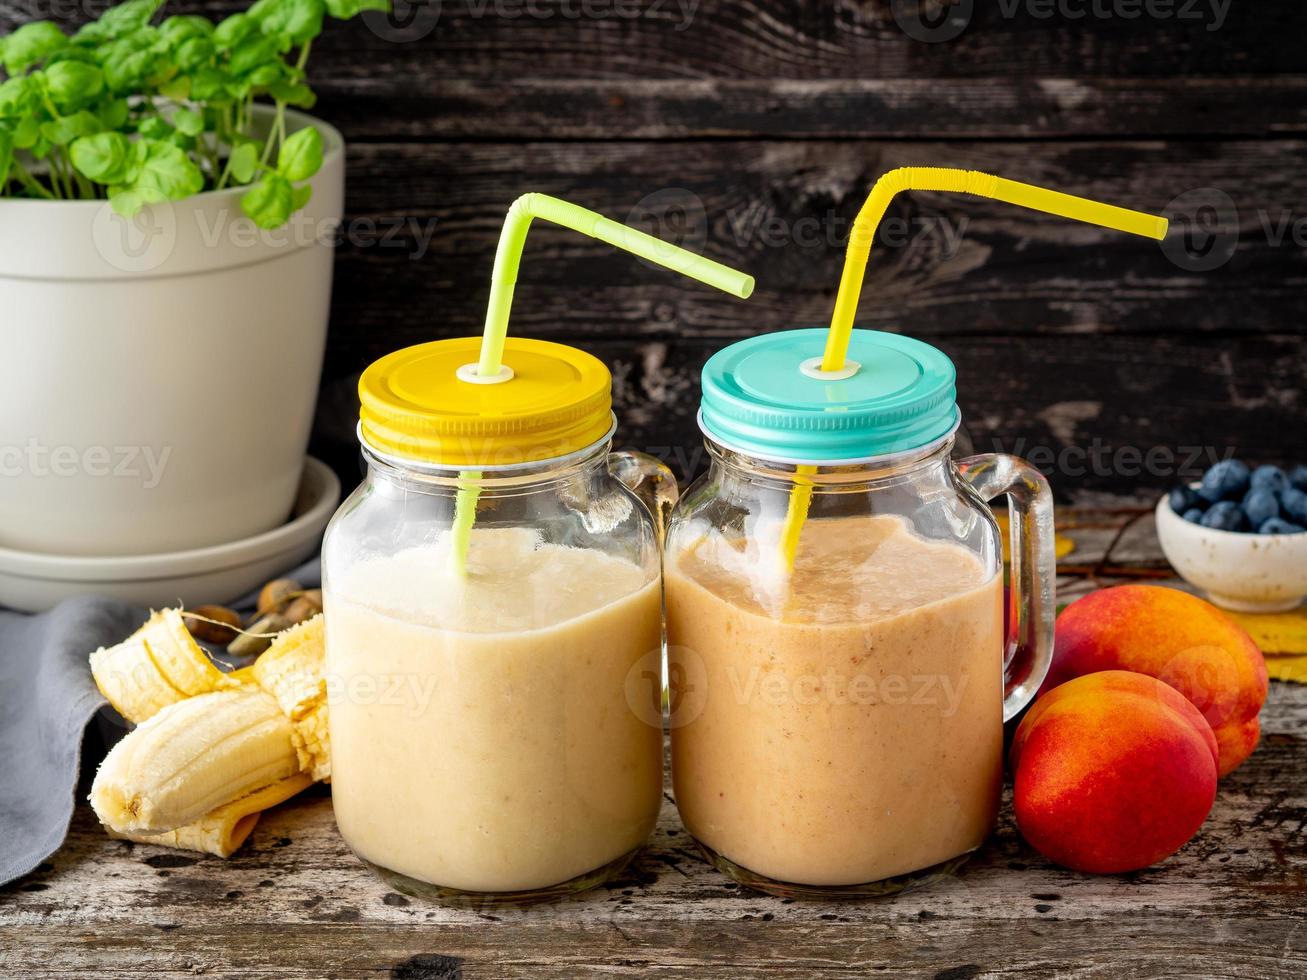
{"type": "Point", "coordinates": [849, 725]}
{"type": "Point", "coordinates": [482, 739]}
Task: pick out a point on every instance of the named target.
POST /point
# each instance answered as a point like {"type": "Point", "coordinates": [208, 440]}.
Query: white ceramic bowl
{"type": "Point", "coordinates": [33, 582]}
{"type": "Point", "coordinates": [1243, 572]}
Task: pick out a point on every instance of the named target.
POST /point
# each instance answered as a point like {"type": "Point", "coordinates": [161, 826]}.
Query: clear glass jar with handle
{"type": "Point", "coordinates": [835, 608]}
{"type": "Point", "coordinates": [491, 591]}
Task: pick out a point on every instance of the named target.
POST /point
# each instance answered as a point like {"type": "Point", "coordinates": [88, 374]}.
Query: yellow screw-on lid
{"type": "Point", "coordinates": [426, 403]}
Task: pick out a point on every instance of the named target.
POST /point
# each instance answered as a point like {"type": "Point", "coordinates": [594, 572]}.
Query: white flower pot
{"type": "Point", "coordinates": [158, 375]}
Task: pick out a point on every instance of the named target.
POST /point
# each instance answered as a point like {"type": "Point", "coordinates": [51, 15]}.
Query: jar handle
{"type": "Point", "coordinates": [1028, 647]}
{"type": "Point", "coordinates": [649, 479]}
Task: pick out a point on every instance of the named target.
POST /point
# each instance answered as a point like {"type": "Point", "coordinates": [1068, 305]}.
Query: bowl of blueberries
{"type": "Point", "coordinates": [1240, 535]}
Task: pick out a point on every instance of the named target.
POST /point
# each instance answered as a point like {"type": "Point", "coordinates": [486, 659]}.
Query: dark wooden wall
{"type": "Point", "coordinates": [754, 128]}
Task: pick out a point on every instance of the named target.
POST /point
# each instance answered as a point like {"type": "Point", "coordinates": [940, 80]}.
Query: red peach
{"type": "Point", "coordinates": [1114, 771]}
{"type": "Point", "coordinates": [1177, 638]}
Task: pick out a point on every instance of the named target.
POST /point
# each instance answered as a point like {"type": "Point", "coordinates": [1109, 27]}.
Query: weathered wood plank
{"type": "Point", "coordinates": [1072, 403]}
{"type": "Point", "coordinates": [1021, 301]}
{"type": "Point", "coordinates": [389, 104]}
{"type": "Point", "coordinates": [295, 902]}
{"type": "Point", "coordinates": [1039, 946]}
{"type": "Point", "coordinates": [444, 70]}
{"type": "Point", "coordinates": [427, 218]}
{"type": "Point", "coordinates": [497, 40]}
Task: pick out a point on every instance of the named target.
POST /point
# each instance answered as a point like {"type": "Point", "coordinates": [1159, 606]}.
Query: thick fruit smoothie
{"type": "Point", "coordinates": [481, 735]}
{"type": "Point", "coordinates": [849, 727]}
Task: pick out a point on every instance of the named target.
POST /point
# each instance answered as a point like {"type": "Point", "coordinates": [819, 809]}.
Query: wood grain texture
{"type": "Point", "coordinates": [1043, 318]}
{"type": "Point", "coordinates": [752, 129]}
{"type": "Point", "coordinates": [295, 902]}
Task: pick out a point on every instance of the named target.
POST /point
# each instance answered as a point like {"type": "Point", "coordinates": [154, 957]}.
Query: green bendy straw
{"type": "Point", "coordinates": [508, 258]}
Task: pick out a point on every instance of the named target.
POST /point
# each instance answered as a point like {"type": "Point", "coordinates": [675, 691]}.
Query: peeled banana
{"type": "Point", "coordinates": [292, 671]}
{"type": "Point", "coordinates": [192, 758]}
{"type": "Point", "coordinates": [226, 828]}
{"type": "Point", "coordinates": [158, 665]}
{"type": "Point", "coordinates": [211, 750]}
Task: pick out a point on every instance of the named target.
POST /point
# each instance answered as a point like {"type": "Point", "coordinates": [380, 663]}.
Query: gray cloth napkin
{"type": "Point", "coordinates": [47, 698]}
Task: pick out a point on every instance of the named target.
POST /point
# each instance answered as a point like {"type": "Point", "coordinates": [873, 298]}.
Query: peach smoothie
{"type": "Point", "coordinates": [482, 738]}
{"type": "Point", "coordinates": [849, 724]}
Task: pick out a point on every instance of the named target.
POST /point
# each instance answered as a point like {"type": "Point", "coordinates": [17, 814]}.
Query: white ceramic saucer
{"type": "Point", "coordinates": [34, 582]}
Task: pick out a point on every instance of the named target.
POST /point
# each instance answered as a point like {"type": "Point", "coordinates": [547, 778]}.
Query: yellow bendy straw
{"type": "Point", "coordinates": [863, 234]}
{"type": "Point", "coordinates": [508, 259]}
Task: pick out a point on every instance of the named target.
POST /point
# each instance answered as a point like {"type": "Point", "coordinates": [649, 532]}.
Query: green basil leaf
{"type": "Point", "coordinates": [252, 52]}
{"type": "Point", "coordinates": [32, 43]}
{"type": "Point", "coordinates": [302, 194]}
{"type": "Point", "coordinates": [73, 84]}
{"type": "Point", "coordinates": [177, 89]}
{"type": "Point", "coordinates": [300, 157]}
{"type": "Point", "coordinates": [128, 199]}
{"type": "Point", "coordinates": [185, 27]}
{"type": "Point", "coordinates": [188, 121]}
{"type": "Point", "coordinates": [233, 30]}
{"type": "Point", "coordinates": [297, 20]}
{"type": "Point", "coordinates": [18, 97]}
{"type": "Point", "coordinates": [244, 162]}
{"type": "Point", "coordinates": [155, 128]}
{"type": "Point", "coordinates": [64, 129]}
{"type": "Point", "coordinates": [293, 93]}
{"type": "Point", "coordinates": [6, 156]}
{"type": "Point", "coordinates": [193, 53]}
{"type": "Point", "coordinates": [266, 74]}
{"type": "Point", "coordinates": [26, 133]}
{"type": "Point", "coordinates": [129, 17]}
{"type": "Point", "coordinates": [269, 202]}
{"type": "Point", "coordinates": [212, 85]}
{"type": "Point", "coordinates": [113, 114]}
{"type": "Point", "coordinates": [103, 157]}
{"type": "Point", "coordinates": [345, 9]}
{"type": "Point", "coordinates": [169, 171]}
{"type": "Point", "coordinates": [128, 65]}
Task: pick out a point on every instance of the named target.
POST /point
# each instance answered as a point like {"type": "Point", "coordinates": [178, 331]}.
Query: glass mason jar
{"type": "Point", "coordinates": [491, 590]}
{"type": "Point", "coordinates": [839, 667]}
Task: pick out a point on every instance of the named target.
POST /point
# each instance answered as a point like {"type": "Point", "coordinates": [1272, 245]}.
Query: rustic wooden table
{"type": "Point", "coordinates": [295, 902]}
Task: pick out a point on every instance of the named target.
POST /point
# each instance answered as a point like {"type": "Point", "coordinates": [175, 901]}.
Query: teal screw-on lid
{"type": "Point", "coordinates": [766, 396]}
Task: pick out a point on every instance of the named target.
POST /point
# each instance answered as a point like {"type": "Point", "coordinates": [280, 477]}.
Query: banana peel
{"type": "Point", "coordinates": [210, 750]}
{"type": "Point", "coordinates": [224, 830]}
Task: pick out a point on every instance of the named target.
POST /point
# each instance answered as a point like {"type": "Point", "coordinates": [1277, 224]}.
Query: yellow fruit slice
{"type": "Point", "coordinates": [226, 828]}
{"type": "Point", "coordinates": [193, 757]}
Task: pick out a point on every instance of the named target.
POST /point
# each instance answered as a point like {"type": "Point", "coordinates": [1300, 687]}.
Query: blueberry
{"type": "Point", "coordinates": [1293, 502]}
{"type": "Point", "coordinates": [1298, 477]}
{"type": "Point", "coordinates": [1183, 499]}
{"type": "Point", "coordinates": [1260, 505]}
{"type": "Point", "coordinates": [1269, 478]}
{"type": "Point", "coordinates": [1277, 526]}
{"type": "Point", "coordinates": [1224, 515]}
{"type": "Point", "coordinates": [1194, 515]}
{"type": "Point", "coordinates": [1226, 480]}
